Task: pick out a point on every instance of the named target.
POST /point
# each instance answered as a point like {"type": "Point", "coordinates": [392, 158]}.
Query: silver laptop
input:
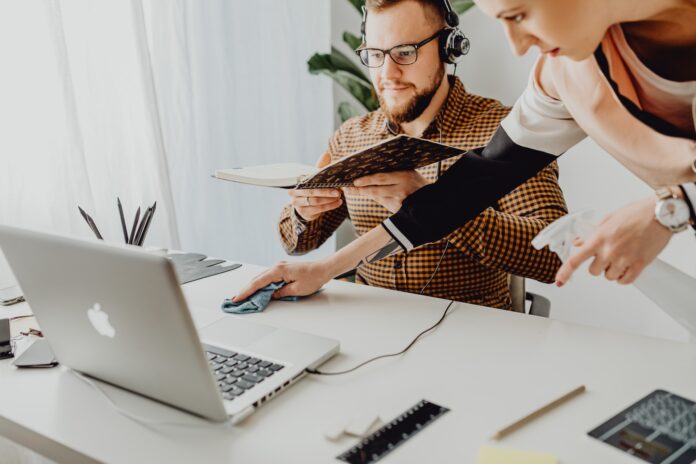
{"type": "Point", "coordinates": [118, 314]}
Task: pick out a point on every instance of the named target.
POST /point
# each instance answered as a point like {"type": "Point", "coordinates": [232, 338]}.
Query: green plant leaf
{"type": "Point", "coordinates": [352, 40]}
{"type": "Point", "coordinates": [358, 4]}
{"type": "Point", "coordinates": [460, 6]}
{"type": "Point", "coordinates": [346, 111]}
{"type": "Point", "coordinates": [341, 61]}
{"type": "Point", "coordinates": [345, 73]}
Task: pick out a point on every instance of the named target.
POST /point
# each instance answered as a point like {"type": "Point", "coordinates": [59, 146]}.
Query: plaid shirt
{"type": "Point", "coordinates": [481, 254]}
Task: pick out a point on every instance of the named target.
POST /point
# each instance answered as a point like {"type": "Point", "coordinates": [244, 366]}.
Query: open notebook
{"type": "Point", "coordinates": [400, 153]}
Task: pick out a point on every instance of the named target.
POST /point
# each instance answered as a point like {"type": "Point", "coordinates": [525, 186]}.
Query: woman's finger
{"type": "Point", "coordinates": [274, 274]}
{"type": "Point", "coordinates": [615, 271]}
{"type": "Point", "coordinates": [598, 266]}
{"type": "Point", "coordinates": [584, 253]}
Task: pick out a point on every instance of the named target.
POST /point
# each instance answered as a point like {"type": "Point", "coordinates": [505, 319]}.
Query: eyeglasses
{"type": "Point", "coordinates": [401, 54]}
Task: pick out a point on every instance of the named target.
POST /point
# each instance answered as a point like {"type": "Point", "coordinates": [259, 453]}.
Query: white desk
{"type": "Point", "coordinates": [488, 366]}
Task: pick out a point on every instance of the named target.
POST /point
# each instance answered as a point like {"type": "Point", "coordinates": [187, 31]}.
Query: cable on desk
{"type": "Point", "coordinates": [408, 347]}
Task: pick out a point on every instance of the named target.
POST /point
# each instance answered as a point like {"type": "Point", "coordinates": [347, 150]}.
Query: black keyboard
{"type": "Point", "coordinates": [236, 373]}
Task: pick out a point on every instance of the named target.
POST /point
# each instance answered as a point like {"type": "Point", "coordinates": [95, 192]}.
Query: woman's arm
{"type": "Point", "coordinates": [538, 130]}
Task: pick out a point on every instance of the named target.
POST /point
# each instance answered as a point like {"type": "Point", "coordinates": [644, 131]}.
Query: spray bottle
{"type": "Point", "coordinates": [669, 288]}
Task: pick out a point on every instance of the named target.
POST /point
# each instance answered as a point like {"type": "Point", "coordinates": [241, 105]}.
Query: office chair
{"type": "Point", "coordinates": [540, 306]}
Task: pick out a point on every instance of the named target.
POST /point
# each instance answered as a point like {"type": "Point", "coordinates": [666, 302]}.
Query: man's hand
{"type": "Point", "coordinates": [302, 279]}
{"type": "Point", "coordinates": [388, 189]}
{"type": "Point", "coordinates": [311, 203]}
{"type": "Point", "coordinates": [623, 244]}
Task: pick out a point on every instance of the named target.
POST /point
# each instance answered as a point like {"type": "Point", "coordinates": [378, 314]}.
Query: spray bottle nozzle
{"type": "Point", "coordinates": [560, 234]}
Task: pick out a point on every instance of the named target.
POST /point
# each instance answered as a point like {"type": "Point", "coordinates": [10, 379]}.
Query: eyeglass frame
{"type": "Point", "coordinates": [416, 46]}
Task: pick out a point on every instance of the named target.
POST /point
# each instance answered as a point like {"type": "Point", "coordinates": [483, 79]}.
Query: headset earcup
{"type": "Point", "coordinates": [444, 44]}
{"type": "Point", "coordinates": [453, 45]}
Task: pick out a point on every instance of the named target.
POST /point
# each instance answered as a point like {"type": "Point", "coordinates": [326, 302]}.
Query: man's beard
{"type": "Point", "coordinates": [413, 108]}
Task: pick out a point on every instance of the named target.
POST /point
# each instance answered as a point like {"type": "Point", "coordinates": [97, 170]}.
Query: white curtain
{"type": "Point", "coordinates": [234, 90]}
{"type": "Point", "coordinates": [144, 99]}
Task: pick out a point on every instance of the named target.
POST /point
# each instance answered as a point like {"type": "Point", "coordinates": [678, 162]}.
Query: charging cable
{"type": "Point", "coordinates": [391, 355]}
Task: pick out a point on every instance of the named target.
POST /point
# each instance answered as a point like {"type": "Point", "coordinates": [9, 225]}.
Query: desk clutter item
{"type": "Point", "coordinates": [138, 230]}
{"type": "Point", "coordinates": [538, 413]}
{"type": "Point", "coordinates": [400, 153]}
{"type": "Point", "coordinates": [190, 267]}
{"type": "Point", "coordinates": [660, 428]}
{"type": "Point", "coordinates": [491, 455]}
{"type": "Point", "coordinates": [388, 437]}
{"type": "Point", "coordinates": [5, 339]}
{"type": "Point", "coordinates": [11, 295]}
{"type": "Point", "coordinates": [37, 354]}
{"type": "Point", "coordinates": [359, 425]}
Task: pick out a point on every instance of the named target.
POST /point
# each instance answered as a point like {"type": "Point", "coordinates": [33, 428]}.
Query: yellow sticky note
{"type": "Point", "coordinates": [490, 455]}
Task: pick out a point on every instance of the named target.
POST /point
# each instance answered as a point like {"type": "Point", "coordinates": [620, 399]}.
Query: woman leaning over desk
{"type": "Point", "coordinates": [622, 72]}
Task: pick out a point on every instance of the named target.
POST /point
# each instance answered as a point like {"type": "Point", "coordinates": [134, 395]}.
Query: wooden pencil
{"type": "Point", "coordinates": [539, 412]}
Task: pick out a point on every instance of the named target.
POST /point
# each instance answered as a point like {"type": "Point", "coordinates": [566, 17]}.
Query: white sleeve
{"type": "Point", "coordinates": [542, 123]}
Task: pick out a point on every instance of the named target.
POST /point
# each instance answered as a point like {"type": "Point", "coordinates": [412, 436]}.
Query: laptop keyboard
{"type": "Point", "coordinates": [235, 373]}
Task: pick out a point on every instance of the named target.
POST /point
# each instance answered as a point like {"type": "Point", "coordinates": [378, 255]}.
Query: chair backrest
{"type": "Point", "coordinates": [518, 293]}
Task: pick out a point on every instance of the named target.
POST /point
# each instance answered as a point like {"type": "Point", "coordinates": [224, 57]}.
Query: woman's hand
{"type": "Point", "coordinates": [302, 279]}
{"type": "Point", "coordinates": [623, 244]}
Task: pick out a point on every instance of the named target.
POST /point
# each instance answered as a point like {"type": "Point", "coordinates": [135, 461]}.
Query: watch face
{"type": "Point", "coordinates": [673, 213]}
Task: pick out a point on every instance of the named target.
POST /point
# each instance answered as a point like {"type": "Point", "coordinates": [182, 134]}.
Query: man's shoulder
{"type": "Point", "coordinates": [486, 107]}
{"type": "Point", "coordinates": [476, 119]}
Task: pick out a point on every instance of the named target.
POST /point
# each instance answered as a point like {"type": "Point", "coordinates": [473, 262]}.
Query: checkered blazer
{"type": "Point", "coordinates": [481, 254]}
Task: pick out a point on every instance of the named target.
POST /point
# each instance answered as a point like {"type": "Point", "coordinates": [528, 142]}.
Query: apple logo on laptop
{"type": "Point", "coordinates": [100, 321]}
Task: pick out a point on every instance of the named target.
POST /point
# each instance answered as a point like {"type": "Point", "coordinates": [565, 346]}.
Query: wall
{"type": "Point", "coordinates": [222, 103]}
{"type": "Point", "coordinates": [589, 177]}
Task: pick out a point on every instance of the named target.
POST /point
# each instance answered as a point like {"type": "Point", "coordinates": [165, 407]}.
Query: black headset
{"type": "Point", "coordinates": [453, 43]}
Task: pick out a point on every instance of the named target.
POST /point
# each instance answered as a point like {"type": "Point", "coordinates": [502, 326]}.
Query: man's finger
{"type": "Point", "coordinates": [376, 179]}
{"type": "Point", "coordinates": [328, 193]}
{"type": "Point", "coordinates": [374, 191]}
{"type": "Point", "coordinates": [316, 210]}
{"type": "Point", "coordinates": [573, 263]}
{"type": "Point", "coordinates": [372, 179]}
{"type": "Point", "coordinates": [313, 201]}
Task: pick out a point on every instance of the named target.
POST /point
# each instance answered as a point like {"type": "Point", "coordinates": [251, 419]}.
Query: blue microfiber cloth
{"type": "Point", "coordinates": [256, 302]}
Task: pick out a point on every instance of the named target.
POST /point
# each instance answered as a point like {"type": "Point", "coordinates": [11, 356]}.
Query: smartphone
{"type": "Point", "coordinates": [11, 295]}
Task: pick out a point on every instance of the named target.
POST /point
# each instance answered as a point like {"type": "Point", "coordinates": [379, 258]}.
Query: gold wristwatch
{"type": "Point", "coordinates": [671, 211]}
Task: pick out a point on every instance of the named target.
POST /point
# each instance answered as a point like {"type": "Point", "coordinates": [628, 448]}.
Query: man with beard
{"type": "Point", "coordinates": [403, 51]}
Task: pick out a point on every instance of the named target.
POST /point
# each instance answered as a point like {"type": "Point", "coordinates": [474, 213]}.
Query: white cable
{"type": "Point", "coordinates": [143, 420]}
{"type": "Point", "coordinates": [432, 276]}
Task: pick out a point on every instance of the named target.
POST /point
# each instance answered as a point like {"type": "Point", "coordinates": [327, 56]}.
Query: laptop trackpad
{"type": "Point", "coordinates": [233, 331]}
